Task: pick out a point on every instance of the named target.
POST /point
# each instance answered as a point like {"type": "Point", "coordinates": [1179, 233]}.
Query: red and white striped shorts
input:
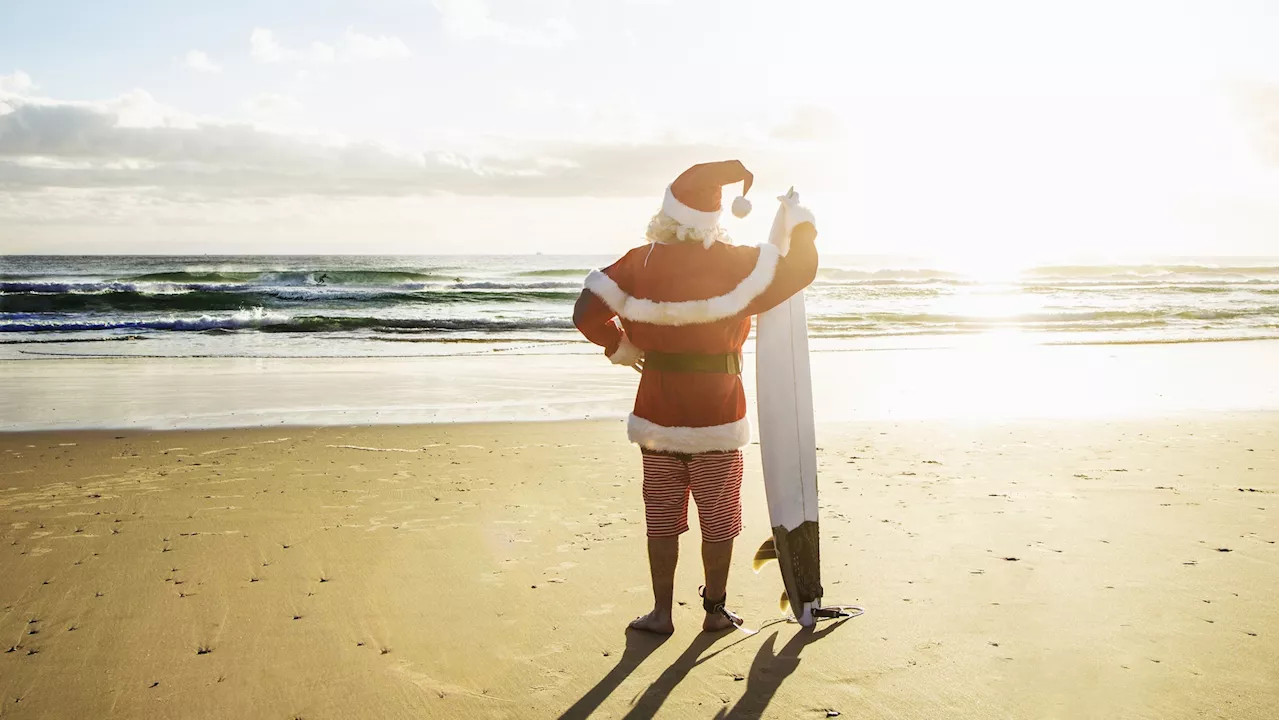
{"type": "Point", "coordinates": [716, 481]}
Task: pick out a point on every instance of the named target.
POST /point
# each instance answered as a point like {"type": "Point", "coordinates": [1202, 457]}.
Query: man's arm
{"type": "Point", "coordinates": [595, 321]}
{"type": "Point", "coordinates": [795, 270]}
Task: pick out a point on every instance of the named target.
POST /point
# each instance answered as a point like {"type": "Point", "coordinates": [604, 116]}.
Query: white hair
{"type": "Point", "coordinates": [664, 229]}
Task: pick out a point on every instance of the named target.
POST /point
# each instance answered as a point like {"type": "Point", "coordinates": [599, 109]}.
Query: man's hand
{"type": "Point", "coordinates": [796, 213]}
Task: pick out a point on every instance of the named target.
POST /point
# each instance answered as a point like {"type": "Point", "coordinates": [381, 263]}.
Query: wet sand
{"type": "Point", "coordinates": [984, 378]}
{"type": "Point", "coordinates": [1071, 568]}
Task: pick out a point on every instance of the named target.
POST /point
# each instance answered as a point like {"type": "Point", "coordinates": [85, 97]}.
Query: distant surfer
{"type": "Point", "coordinates": [683, 305]}
{"type": "Point", "coordinates": [320, 280]}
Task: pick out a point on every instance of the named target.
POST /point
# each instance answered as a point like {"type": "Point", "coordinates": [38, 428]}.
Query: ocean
{"type": "Point", "coordinates": [379, 306]}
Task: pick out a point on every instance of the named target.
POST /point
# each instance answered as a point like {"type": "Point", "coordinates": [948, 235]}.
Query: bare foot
{"type": "Point", "coordinates": [654, 622]}
{"type": "Point", "coordinates": [715, 622]}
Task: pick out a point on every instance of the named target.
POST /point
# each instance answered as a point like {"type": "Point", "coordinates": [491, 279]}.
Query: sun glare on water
{"type": "Point", "coordinates": [990, 303]}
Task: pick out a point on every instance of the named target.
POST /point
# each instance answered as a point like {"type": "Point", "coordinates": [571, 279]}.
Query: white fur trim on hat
{"type": "Point", "coordinates": [652, 436]}
{"type": "Point", "coordinates": [688, 312]}
{"type": "Point", "coordinates": [686, 215]}
{"type": "Point", "coordinates": [741, 207]}
{"type": "Point", "coordinates": [626, 354]}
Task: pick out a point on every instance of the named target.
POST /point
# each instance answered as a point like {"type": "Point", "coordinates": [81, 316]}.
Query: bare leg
{"type": "Point", "coordinates": [663, 553]}
{"type": "Point", "coordinates": [715, 562]}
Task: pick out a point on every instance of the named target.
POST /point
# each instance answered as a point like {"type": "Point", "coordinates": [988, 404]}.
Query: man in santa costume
{"type": "Point", "coordinates": [679, 310]}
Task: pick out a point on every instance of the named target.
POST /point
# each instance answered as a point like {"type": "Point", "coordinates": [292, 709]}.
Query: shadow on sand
{"type": "Point", "coordinates": [639, 646]}
{"type": "Point", "coordinates": [767, 673]}
{"type": "Point", "coordinates": [769, 670]}
{"type": "Point", "coordinates": [651, 700]}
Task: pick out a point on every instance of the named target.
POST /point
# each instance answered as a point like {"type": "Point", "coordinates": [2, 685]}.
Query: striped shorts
{"type": "Point", "coordinates": [715, 479]}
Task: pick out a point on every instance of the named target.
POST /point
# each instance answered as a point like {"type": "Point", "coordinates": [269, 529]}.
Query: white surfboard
{"type": "Point", "coordinates": [784, 395]}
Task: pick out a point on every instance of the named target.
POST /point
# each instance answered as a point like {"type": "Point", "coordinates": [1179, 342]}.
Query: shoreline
{"type": "Point", "coordinates": [992, 380]}
{"type": "Point", "coordinates": [865, 343]}
{"type": "Point", "coordinates": [96, 434]}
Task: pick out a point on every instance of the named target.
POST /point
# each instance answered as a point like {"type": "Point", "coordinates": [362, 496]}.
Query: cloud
{"type": "Point", "coordinates": [810, 123]}
{"type": "Point", "coordinates": [11, 85]}
{"type": "Point", "coordinates": [200, 62]}
{"type": "Point", "coordinates": [134, 151]}
{"type": "Point", "coordinates": [471, 20]}
{"type": "Point", "coordinates": [17, 82]}
{"type": "Point", "coordinates": [135, 142]}
{"type": "Point", "coordinates": [264, 47]}
{"type": "Point", "coordinates": [137, 109]}
{"type": "Point", "coordinates": [274, 104]}
{"type": "Point", "coordinates": [376, 47]}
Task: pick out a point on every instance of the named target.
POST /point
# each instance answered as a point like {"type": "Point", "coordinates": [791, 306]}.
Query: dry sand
{"type": "Point", "coordinates": [1065, 569]}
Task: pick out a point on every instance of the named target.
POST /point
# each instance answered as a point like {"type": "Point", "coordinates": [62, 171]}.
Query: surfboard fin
{"type": "Point", "coordinates": [768, 551]}
{"type": "Point", "coordinates": [784, 603]}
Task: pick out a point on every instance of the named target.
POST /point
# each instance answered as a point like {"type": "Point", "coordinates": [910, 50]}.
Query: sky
{"type": "Point", "coordinates": [983, 130]}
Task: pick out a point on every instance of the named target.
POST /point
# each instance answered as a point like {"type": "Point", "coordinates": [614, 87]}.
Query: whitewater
{"type": "Point", "coordinates": [373, 306]}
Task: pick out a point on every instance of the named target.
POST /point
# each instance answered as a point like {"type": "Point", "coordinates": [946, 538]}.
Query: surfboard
{"type": "Point", "coordinates": [788, 449]}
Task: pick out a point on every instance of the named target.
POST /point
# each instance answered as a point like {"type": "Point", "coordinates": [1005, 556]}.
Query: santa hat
{"type": "Point", "coordinates": [693, 200]}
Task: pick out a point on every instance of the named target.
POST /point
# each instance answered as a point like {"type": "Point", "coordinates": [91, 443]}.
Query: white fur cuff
{"type": "Point", "coordinates": [797, 215]}
{"type": "Point", "coordinates": [652, 436]}
{"type": "Point", "coordinates": [626, 354]}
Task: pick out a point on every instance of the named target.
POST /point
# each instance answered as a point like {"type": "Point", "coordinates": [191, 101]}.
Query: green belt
{"type": "Point", "coordinates": [728, 363]}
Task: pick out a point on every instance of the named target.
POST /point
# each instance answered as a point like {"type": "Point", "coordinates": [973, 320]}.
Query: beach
{"type": "Point", "coordinates": [1100, 546]}
{"type": "Point", "coordinates": [343, 486]}
{"type": "Point", "coordinates": [330, 341]}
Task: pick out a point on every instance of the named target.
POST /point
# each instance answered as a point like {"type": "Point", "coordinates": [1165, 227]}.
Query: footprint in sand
{"type": "Point", "coordinates": [558, 679]}
{"type": "Point", "coordinates": [602, 610]}
{"type": "Point", "coordinates": [548, 651]}
{"type": "Point", "coordinates": [404, 670]}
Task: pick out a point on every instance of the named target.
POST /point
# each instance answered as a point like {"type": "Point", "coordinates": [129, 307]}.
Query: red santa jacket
{"type": "Point", "coordinates": [686, 298]}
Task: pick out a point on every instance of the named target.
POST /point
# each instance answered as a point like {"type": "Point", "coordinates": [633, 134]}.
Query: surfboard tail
{"type": "Point", "coordinates": [797, 554]}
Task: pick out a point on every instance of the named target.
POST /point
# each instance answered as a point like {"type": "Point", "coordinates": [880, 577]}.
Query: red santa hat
{"type": "Point", "coordinates": [693, 200]}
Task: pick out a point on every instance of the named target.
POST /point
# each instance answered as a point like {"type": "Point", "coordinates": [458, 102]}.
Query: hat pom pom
{"type": "Point", "coordinates": [741, 207]}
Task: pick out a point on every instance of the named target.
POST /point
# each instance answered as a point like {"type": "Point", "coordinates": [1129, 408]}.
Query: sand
{"type": "Point", "coordinates": [1038, 569]}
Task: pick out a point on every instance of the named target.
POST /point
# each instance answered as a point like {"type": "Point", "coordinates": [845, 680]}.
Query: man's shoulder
{"type": "Point", "coordinates": [634, 255]}
{"type": "Point", "coordinates": [720, 258]}
{"type": "Point", "coordinates": [743, 251]}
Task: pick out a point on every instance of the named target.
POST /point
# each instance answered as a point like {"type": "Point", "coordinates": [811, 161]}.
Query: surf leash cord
{"type": "Point", "coordinates": [716, 607]}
